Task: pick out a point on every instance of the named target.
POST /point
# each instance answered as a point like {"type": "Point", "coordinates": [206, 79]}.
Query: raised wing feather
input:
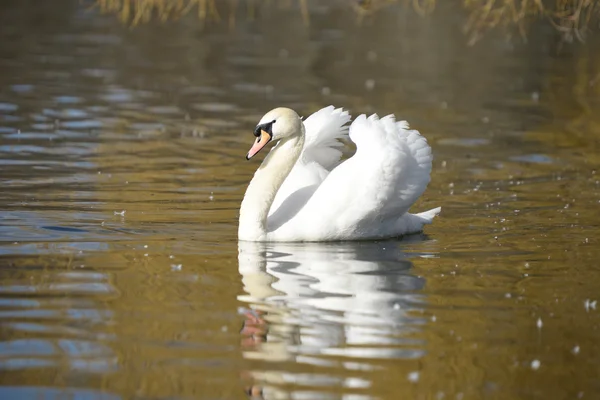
{"type": "Point", "coordinates": [321, 152]}
{"type": "Point", "coordinates": [413, 175]}
{"type": "Point", "coordinates": [323, 131]}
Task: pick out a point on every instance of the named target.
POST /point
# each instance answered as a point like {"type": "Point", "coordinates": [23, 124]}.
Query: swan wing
{"type": "Point", "coordinates": [321, 152]}
{"type": "Point", "coordinates": [323, 129]}
{"type": "Point", "coordinates": [368, 195]}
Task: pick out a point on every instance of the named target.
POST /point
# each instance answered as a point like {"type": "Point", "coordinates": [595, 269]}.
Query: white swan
{"type": "Point", "coordinates": [301, 193]}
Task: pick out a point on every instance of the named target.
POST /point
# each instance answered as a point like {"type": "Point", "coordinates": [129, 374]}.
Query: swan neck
{"type": "Point", "coordinates": [263, 187]}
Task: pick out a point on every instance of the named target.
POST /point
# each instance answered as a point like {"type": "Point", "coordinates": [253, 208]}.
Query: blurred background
{"type": "Point", "coordinates": [123, 132]}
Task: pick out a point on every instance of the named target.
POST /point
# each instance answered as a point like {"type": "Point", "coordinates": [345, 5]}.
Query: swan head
{"type": "Point", "coordinates": [279, 123]}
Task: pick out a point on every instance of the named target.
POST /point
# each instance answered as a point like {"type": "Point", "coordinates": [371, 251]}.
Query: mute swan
{"type": "Point", "coordinates": [300, 192]}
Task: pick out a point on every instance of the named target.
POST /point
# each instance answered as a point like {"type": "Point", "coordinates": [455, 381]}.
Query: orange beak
{"type": "Point", "coordinates": [261, 142]}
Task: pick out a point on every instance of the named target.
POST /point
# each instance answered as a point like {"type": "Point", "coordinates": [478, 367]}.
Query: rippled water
{"type": "Point", "coordinates": [122, 169]}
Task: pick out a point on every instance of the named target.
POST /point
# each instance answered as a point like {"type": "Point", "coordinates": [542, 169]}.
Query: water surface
{"type": "Point", "coordinates": [122, 169]}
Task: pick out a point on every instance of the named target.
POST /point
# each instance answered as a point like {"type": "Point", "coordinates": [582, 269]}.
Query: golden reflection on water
{"type": "Point", "coordinates": [122, 168]}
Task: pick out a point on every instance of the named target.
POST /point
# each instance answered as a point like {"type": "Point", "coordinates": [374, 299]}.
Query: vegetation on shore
{"type": "Point", "coordinates": [573, 18]}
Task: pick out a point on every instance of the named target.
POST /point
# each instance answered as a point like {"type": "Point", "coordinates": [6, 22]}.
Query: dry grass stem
{"type": "Point", "coordinates": [570, 17]}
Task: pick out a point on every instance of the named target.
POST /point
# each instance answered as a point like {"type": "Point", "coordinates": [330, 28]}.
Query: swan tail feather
{"type": "Point", "coordinates": [413, 223]}
{"type": "Point", "coordinates": [428, 216]}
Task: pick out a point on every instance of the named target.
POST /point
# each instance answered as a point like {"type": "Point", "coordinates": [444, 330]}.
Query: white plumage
{"type": "Point", "coordinates": [301, 192]}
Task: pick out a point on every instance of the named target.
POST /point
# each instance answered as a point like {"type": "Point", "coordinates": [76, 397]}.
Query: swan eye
{"type": "Point", "coordinates": [267, 127]}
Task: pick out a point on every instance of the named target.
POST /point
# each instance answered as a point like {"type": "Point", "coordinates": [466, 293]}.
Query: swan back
{"type": "Point", "coordinates": [368, 195]}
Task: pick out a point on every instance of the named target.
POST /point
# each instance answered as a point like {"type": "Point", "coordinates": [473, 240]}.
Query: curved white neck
{"type": "Point", "coordinates": [262, 189]}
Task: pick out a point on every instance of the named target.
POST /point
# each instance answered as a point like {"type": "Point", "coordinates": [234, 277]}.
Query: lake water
{"type": "Point", "coordinates": [122, 169]}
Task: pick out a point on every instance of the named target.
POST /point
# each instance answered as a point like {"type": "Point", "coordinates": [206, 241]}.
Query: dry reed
{"type": "Point", "coordinates": [572, 18]}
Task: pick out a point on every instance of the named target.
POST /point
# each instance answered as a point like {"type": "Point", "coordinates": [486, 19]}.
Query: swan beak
{"type": "Point", "coordinates": [261, 141]}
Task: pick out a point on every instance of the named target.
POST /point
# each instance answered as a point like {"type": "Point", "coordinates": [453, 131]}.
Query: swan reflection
{"type": "Point", "coordinates": [307, 302]}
